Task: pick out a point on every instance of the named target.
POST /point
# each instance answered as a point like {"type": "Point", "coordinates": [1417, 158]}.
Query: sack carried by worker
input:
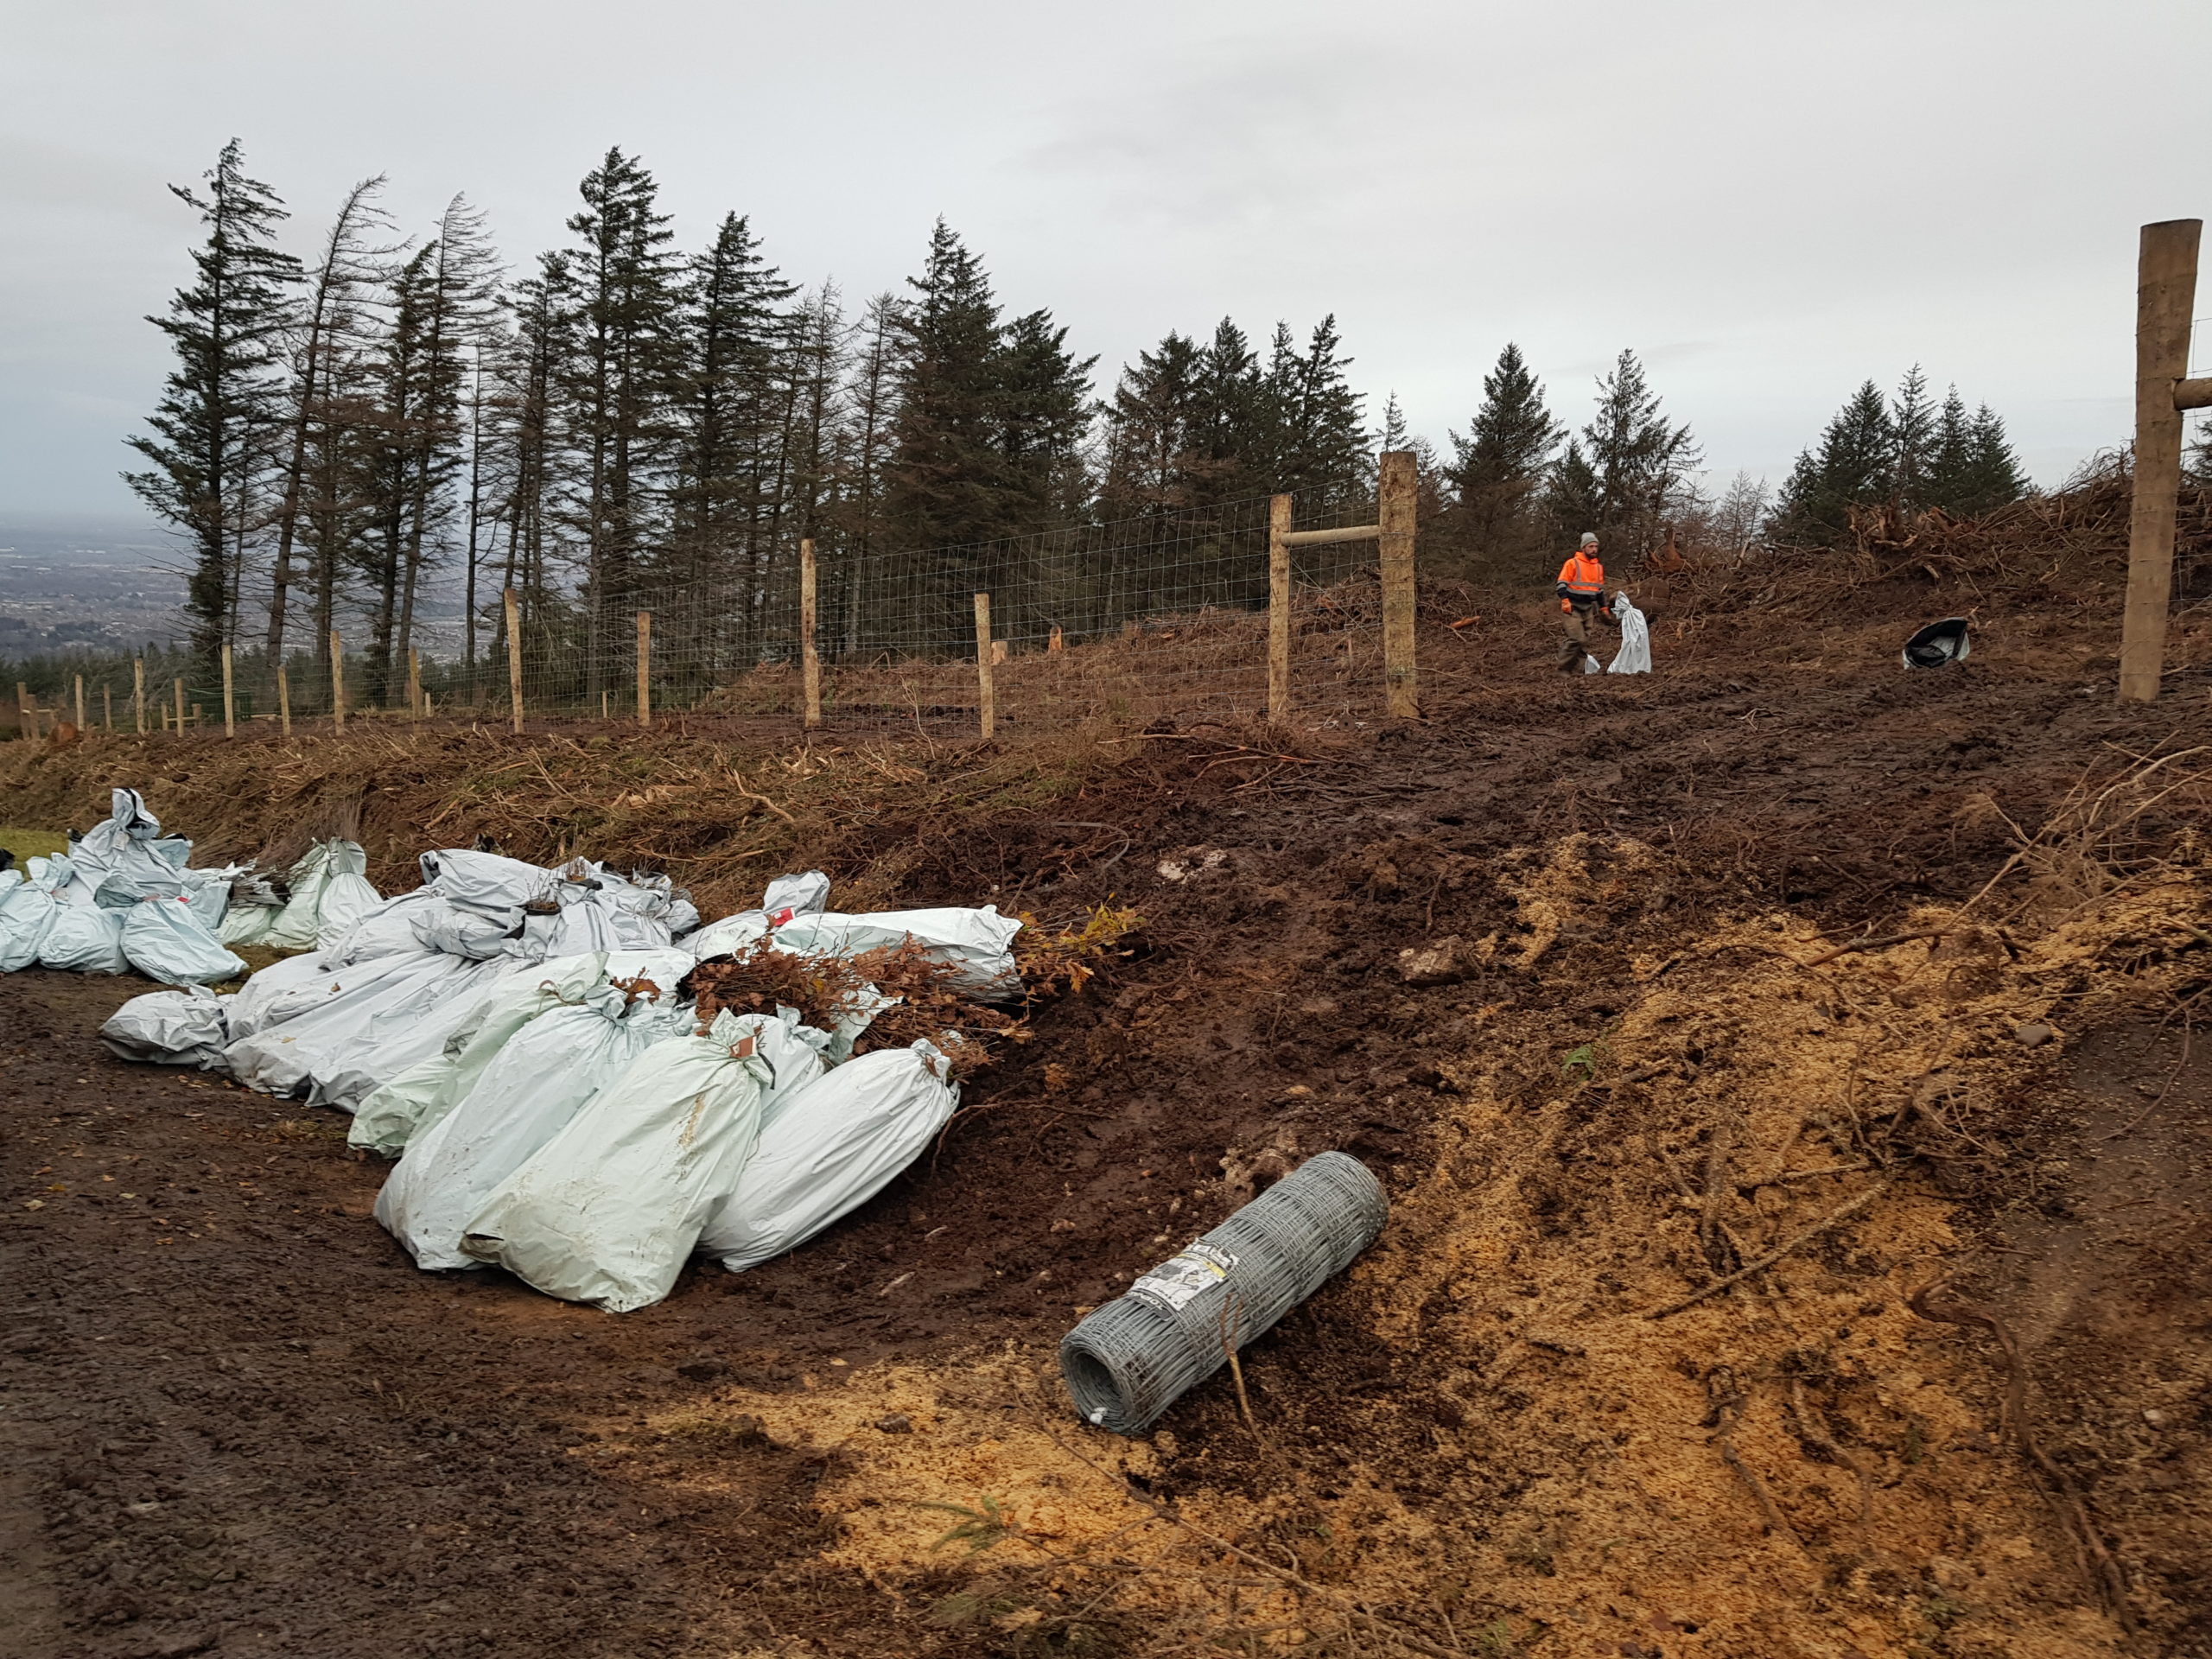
{"type": "Point", "coordinates": [1635, 655]}
{"type": "Point", "coordinates": [831, 1147]}
{"type": "Point", "coordinates": [608, 1209]}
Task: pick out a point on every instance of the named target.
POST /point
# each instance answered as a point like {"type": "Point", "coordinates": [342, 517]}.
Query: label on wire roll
{"type": "Point", "coordinates": [1181, 1277]}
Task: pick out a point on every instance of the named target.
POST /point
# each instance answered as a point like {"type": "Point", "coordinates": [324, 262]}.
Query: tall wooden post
{"type": "Point", "coordinates": [179, 684]}
{"type": "Point", "coordinates": [107, 705]}
{"type": "Point", "coordinates": [2165, 292]}
{"type": "Point", "coordinates": [809, 658]}
{"type": "Point", "coordinates": [80, 703]}
{"type": "Point", "coordinates": [230, 702]}
{"type": "Point", "coordinates": [284, 700]}
{"type": "Point", "coordinates": [26, 710]}
{"type": "Point", "coordinates": [1279, 522]}
{"type": "Point", "coordinates": [644, 668]}
{"type": "Point", "coordinates": [514, 657]}
{"type": "Point", "coordinates": [1398, 494]}
{"type": "Point", "coordinates": [138, 692]}
{"type": "Point", "coordinates": [987, 704]}
{"type": "Point", "coordinates": [337, 682]}
{"type": "Point", "coordinates": [414, 683]}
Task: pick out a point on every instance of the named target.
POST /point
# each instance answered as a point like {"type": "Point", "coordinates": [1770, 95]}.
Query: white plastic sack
{"type": "Point", "coordinates": [370, 1023]}
{"type": "Point", "coordinates": [298, 923]}
{"type": "Point", "coordinates": [387, 930]}
{"type": "Point", "coordinates": [787, 899]}
{"type": "Point", "coordinates": [347, 893]}
{"type": "Point", "coordinates": [130, 844]}
{"type": "Point", "coordinates": [488, 882]}
{"type": "Point", "coordinates": [458, 932]}
{"type": "Point", "coordinates": [537, 1081]}
{"type": "Point", "coordinates": [608, 1209]}
{"type": "Point", "coordinates": [26, 911]}
{"type": "Point", "coordinates": [247, 924]}
{"type": "Point", "coordinates": [828, 1148]}
{"type": "Point", "coordinates": [183, 1027]}
{"type": "Point", "coordinates": [285, 988]}
{"type": "Point", "coordinates": [164, 940]}
{"type": "Point", "coordinates": [394, 1112]}
{"type": "Point", "coordinates": [731, 935]}
{"type": "Point", "coordinates": [791, 896]}
{"type": "Point", "coordinates": [82, 938]}
{"type": "Point", "coordinates": [974, 941]}
{"type": "Point", "coordinates": [1635, 655]}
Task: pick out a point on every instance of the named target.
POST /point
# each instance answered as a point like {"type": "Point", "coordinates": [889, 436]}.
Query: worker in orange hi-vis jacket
{"type": "Point", "coordinates": [1581, 591]}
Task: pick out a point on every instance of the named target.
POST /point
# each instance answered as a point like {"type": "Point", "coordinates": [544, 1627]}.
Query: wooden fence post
{"type": "Point", "coordinates": [284, 700]}
{"type": "Point", "coordinates": [26, 710]}
{"type": "Point", "coordinates": [2165, 293]}
{"type": "Point", "coordinates": [988, 705]}
{"type": "Point", "coordinates": [514, 658]}
{"type": "Point", "coordinates": [414, 683]}
{"type": "Point", "coordinates": [80, 703]}
{"type": "Point", "coordinates": [337, 682]}
{"type": "Point", "coordinates": [1279, 522]}
{"type": "Point", "coordinates": [1397, 498]}
{"type": "Point", "coordinates": [1057, 643]}
{"type": "Point", "coordinates": [644, 668]}
{"type": "Point", "coordinates": [107, 705]}
{"type": "Point", "coordinates": [230, 703]}
{"type": "Point", "coordinates": [809, 658]}
{"type": "Point", "coordinates": [179, 683]}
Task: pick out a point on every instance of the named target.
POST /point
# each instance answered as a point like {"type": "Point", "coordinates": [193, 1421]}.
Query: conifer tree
{"type": "Point", "coordinates": [1574, 495]}
{"type": "Point", "coordinates": [221, 405]}
{"type": "Point", "coordinates": [1853, 463]}
{"type": "Point", "coordinates": [1498, 468]}
{"type": "Point", "coordinates": [325, 346]}
{"type": "Point", "coordinates": [616, 386]}
{"type": "Point", "coordinates": [1154, 432]}
{"type": "Point", "coordinates": [728, 400]}
{"type": "Point", "coordinates": [1229, 428]}
{"type": "Point", "coordinates": [1045, 415]}
{"type": "Point", "coordinates": [1640, 461]}
{"type": "Point", "coordinates": [529, 432]}
{"type": "Point", "coordinates": [1915, 435]}
{"type": "Point", "coordinates": [945, 482]}
{"type": "Point", "coordinates": [1951, 454]}
{"type": "Point", "coordinates": [1319, 447]}
{"type": "Point", "coordinates": [1993, 478]}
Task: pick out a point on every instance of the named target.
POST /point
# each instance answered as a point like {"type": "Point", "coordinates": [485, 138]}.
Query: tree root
{"type": "Point", "coordinates": [2097, 1564]}
{"type": "Point", "coordinates": [1773, 1255]}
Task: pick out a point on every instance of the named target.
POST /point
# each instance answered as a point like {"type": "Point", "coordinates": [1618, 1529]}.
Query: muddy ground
{"type": "Point", "coordinates": [237, 1420]}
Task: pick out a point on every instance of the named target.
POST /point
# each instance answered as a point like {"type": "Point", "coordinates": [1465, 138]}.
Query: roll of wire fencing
{"type": "Point", "coordinates": [1130, 1360]}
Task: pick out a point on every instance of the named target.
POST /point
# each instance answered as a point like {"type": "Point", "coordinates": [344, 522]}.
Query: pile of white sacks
{"type": "Point", "coordinates": [515, 1036]}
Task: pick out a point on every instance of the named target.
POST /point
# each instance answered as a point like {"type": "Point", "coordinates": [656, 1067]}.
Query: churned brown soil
{"type": "Point", "coordinates": [237, 1420]}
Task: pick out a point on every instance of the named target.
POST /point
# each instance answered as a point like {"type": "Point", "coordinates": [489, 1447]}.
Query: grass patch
{"type": "Point", "coordinates": [28, 844]}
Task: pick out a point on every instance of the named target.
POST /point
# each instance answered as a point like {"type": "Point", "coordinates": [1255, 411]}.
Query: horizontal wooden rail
{"type": "Point", "coordinates": [2193, 394]}
{"type": "Point", "coordinates": [1323, 537]}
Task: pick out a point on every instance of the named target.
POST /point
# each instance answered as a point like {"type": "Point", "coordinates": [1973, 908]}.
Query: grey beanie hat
{"type": "Point", "coordinates": [1589, 538]}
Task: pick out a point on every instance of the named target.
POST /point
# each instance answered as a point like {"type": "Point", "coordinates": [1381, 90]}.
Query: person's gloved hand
{"type": "Point", "coordinates": [1607, 617]}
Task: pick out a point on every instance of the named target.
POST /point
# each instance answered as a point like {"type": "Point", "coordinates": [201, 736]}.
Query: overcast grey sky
{"type": "Point", "coordinates": [1771, 201]}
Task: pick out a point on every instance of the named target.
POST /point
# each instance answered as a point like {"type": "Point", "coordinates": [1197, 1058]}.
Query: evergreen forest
{"type": "Point", "coordinates": [352, 427]}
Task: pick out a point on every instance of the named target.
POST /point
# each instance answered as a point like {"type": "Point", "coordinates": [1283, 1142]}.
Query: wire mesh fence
{"type": "Point", "coordinates": [1162, 616]}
